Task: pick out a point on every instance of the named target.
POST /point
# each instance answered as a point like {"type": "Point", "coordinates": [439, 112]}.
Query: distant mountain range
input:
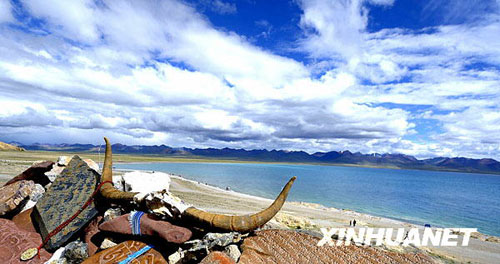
{"type": "Point", "coordinates": [333, 157]}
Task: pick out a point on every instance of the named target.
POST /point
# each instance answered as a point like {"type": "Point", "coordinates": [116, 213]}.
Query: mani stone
{"type": "Point", "coordinates": [67, 194]}
{"type": "Point", "coordinates": [123, 250]}
{"type": "Point", "coordinates": [11, 196]}
{"type": "Point", "coordinates": [14, 241]}
{"type": "Point", "coordinates": [288, 246]}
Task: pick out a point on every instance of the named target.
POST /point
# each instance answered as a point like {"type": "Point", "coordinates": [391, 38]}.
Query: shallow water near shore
{"type": "Point", "coordinates": [445, 199]}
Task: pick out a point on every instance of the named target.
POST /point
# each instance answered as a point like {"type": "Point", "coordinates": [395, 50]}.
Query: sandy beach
{"type": "Point", "coordinates": [314, 216]}
{"type": "Point", "coordinates": [481, 249]}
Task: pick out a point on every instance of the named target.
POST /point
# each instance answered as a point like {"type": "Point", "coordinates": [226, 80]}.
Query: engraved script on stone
{"type": "Point", "coordinates": [122, 250]}
{"type": "Point", "coordinates": [65, 197]}
{"type": "Point", "coordinates": [14, 241]}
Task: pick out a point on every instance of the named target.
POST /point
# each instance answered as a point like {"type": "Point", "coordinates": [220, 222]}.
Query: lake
{"type": "Point", "coordinates": [445, 199]}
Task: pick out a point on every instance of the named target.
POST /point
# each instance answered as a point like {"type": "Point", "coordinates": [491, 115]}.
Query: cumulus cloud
{"type": "Point", "coordinates": [158, 72]}
{"type": "Point", "coordinates": [450, 68]}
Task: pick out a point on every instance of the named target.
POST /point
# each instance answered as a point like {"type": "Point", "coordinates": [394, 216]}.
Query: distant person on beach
{"type": "Point", "coordinates": [350, 223]}
{"type": "Point", "coordinates": [354, 222]}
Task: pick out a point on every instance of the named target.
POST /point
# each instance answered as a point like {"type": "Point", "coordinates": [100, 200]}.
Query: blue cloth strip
{"type": "Point", "coordinates": [136, 222]}
{"type": "Point", "coordinates": [136, 254]}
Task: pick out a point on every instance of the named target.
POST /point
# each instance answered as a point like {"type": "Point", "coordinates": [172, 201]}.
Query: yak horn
{"type": "Point", "coordinates": [243, 223]}
{"type": "Point", "coordinates": [108, 191]}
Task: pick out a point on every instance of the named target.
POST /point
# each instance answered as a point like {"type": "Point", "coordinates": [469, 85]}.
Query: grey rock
{"type": "Point", "coordinates": [54, 172]}
{"type": "Point", "coordinates": [92, 164]}
{"type": "Point", "coordinates": [112, 213]}
{"type": "Point", "coordinates": [76, 252]}
{"type": "Point", "coordinates": [57, 257]}
{"type": "Point", "coordinates": [107, 243]}
{"type": "Point", "coordinates": [36, 193]}
{"type": "Point", "coordinates": [175, 257]}
{"type": "Point", "coordinates": [211, 240]}
{"type": "Point", "coordinates": [233, 252]}
{"type": "Point", "coordinates": [63, 160]}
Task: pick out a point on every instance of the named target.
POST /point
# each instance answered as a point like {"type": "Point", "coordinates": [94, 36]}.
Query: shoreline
{"type": "Point", "coordinates": [396, 220]}
{"type": "Point", "coordinates": [313, 216]}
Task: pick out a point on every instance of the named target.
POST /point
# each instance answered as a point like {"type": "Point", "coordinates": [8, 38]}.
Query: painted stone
{"type": "Point", "coordinates": [14, 241]}
{"type": "Point", "coordinates": [67, 194]}
{"type": "Point", "coordinates": [35, 173]}
{"type": "Point", "coordinates": [217, 257]}
{"type": "Point", "coordinates": [13, 195]}
{"type": "Point", "coordinates": [149, 226]}
{"type": "Point", "coordinates": [289, 246]}
{"type": "Point", "coordinates": [123, 250]}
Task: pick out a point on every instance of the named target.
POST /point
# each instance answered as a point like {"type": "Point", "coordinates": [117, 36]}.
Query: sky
{"type": "Point", "coordinates": [376, 76]}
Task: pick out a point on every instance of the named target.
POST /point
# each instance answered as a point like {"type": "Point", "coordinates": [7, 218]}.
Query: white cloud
{"type": "Point", "coordinates": [153, 72]}
{"type": "Point", "coordinates": [334, 28]}
{"type": "Point", "coordinates": [223, 7]}
{"type": "Point", "coordinates": [73, 19]}
{"type": "Point", "coordinates": [5, 11]}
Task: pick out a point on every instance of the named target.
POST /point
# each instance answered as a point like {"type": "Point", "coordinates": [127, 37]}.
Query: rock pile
{"type": "Point", "coordinates": [56, 207]}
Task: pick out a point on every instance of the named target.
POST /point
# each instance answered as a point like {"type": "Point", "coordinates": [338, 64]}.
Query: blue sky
{"type": "Point", "coordinates": [401, 76]}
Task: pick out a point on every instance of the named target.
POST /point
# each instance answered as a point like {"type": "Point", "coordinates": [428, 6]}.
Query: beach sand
{"type": "Point", "coordinates": [315, 216]}
{"type": "Point", "coordinates": [300, 215]}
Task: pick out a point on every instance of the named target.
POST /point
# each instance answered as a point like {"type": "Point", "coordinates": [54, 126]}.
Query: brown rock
{"type": "Point", "coordinates": [149, 226]}
{"type": "Point", "coordinates": [123, 250]}
{"type": "Point", "coordinates": [90, 231]}
{"type": "Point", "coordinates": [217, 257]}
{"type": "Point", "coordinates": [11, 196]}
{"type": "Point", "coordinates": [35, 173]}
{"type": "Point", "coordinates": [288, 246]}
{"type": "Point", "coordinates": [14, 241]}
{"type": "Point", "coordinates": [23, 221]}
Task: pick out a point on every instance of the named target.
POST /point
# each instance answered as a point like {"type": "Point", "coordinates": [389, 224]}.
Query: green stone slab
{"type": "Point", "coordinates": [67, 194]}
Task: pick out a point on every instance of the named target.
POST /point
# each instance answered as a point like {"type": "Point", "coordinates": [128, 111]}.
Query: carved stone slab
{"type": "Point", "coordinates": [288, 246]}
{"type": "Point", "coordinates": [67, 194]}
{"type": "Point", "coordinates": [123, 250]}
{"type": "Point", "coordinates": [14, 241]}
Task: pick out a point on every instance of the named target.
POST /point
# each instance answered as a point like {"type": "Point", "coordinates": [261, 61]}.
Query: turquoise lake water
{"type": "Point", "coordinates": [445, 199]}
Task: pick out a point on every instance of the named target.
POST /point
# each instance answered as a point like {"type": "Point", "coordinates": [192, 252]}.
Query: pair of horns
{"type": "Point", "coordinates": [239, 223]}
